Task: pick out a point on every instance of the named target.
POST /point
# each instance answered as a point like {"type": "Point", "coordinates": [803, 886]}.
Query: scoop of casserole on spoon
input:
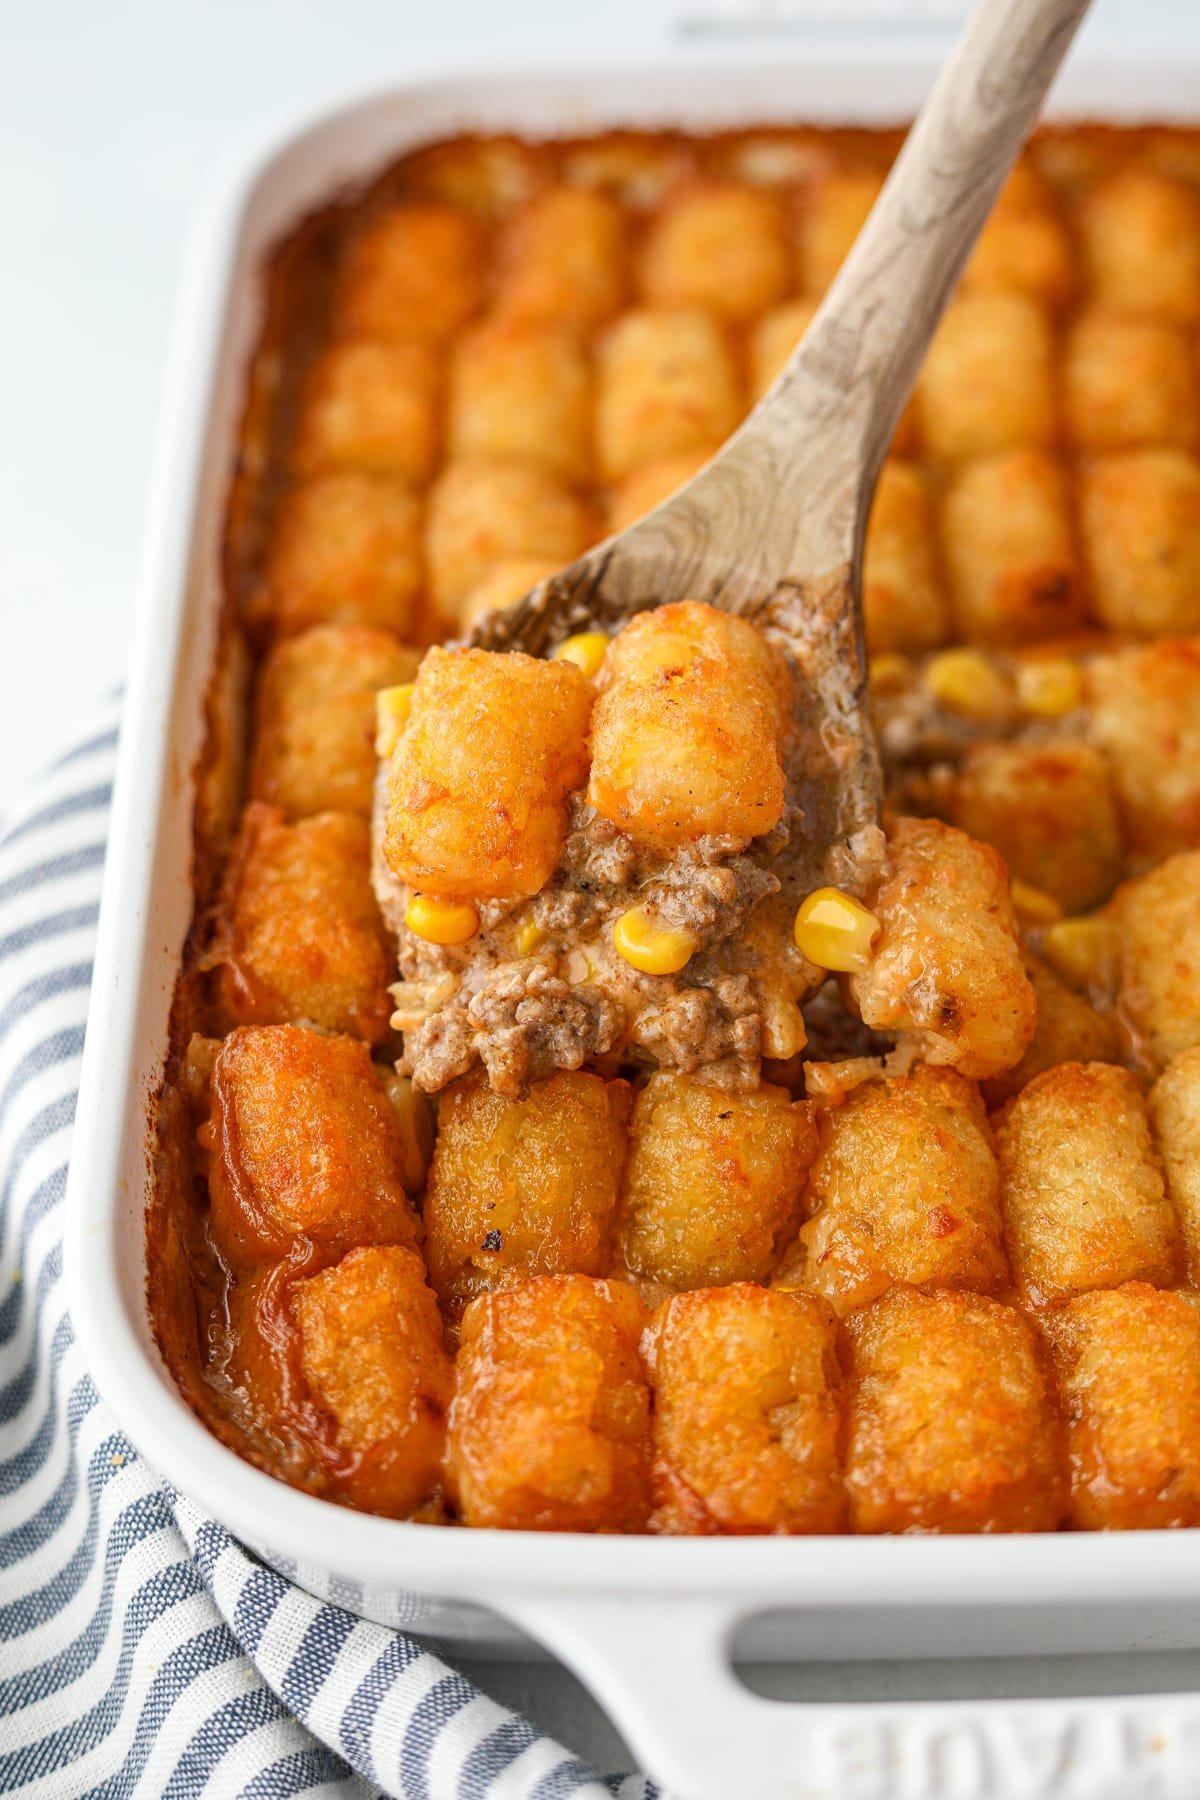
{"type": "Point", "coordinates": [560, 897]}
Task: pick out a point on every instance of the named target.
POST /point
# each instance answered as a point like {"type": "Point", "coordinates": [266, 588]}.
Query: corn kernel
{"type": "Point", "coordinates": [1083, 951]}
{"type": "Point", "coordinates": [653, 948]}
{"type": "Point", "coordinates": [969, 682]}
{"type": "Point", "coordinates": [441, 921]}
{"type": "Point", "coordinates": [392, 707]}
{"type": "Point", "coordinates": [1050, 689]}
{"type": "Point", "coordinates": [587, 650]}
{"type": "Point", "coordinates": [1033, 905]}
{"type": "Point", "coordinates": [889, 673]}
{"type": "Point", "coordinates": [530, 937]}
{"type": "Point", "coordinates": [835, 931]}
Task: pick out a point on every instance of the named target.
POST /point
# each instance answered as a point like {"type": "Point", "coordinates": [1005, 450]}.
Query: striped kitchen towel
{"type": "Point", "coordinates": [142, 1650]}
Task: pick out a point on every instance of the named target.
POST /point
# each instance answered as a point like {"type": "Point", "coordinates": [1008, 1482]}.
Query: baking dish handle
{"type": "Point", "coordinates": [662, 1671]}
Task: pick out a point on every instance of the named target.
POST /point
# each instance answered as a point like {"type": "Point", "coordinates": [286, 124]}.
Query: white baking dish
{"type": "Point", "coordinates": [645, 1622]}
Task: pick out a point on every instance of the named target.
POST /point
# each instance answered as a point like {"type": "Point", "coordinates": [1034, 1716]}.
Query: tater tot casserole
{"type": "Point", "coordinates": [523, 1159]}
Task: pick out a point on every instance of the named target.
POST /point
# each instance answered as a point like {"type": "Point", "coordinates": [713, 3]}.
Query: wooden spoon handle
{"type": "Point", "coordinates": [864, 347]}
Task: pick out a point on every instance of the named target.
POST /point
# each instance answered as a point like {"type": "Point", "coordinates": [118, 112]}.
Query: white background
{"type": "Point", "coordinates": [112, 118]}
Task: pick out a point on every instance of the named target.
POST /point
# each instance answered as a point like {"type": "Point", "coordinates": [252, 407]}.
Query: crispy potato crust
{"type": "Point", "coordinates": [302, 1144]}
{"type": "Point", "coordinates": [521, 392]}
{"type": "Point", "coordinates": [524, 1187]}
{"type": "Point", "coordinates": [904, 604]}
{"type": "Point", "coordinates": [1141, 244]}
{"type": "Point", "coordinates": [299, 938]}
{"type": "Point", "coordinates": [1158, 925]}
{"type": "Point", "coordinates": [373, 407]}
{"type": "Point", "coordinates": [562, 260]}
{"type": "Point", "coordinates": [952, 1428]}
{"type": "Point", "coordinates": [1049, 810]}
{"type": "Point", "coordinates": [1128, 383]}
{"type": "Point", "coordinates": [371, 1351]}
{"type": "Point", "coordinates": [412, 275]}
{"type": "Point", "coordinates": [314, 744]}
{"type": "Point", "coordinates": [478, 783]}
{"type": "Point", "coordinates": [485, 512]}
{"type": "Point", "coordinates": [687, 736]}
{"type": "Point", "coordinates": [714, 1181]}
{"type": "Point", "coordinates": [718, 245]}
{"type": "Point", "coordinates": [1145, 715]}
{"type": "Point", "coordinates": [947, 965]}
{"type": "Point", "coordinates": [550, 1422]}
{"type": "Point", "coordinates": [903, 1189]}
{"type": "Point", "coordinates": [1068, 1029]}
{"type": "Point", "coordinates": [1009, 550]}
{"type": "Point", "coordinates": [1128, 1367]}
{"type": "Point", "coordinates": [1082, 1186]}
{"type": "Point", "coordinates": [1139, 517]}
{"type": "Point", "coordinates": [1175, 1114]}
{"type": "Point", "coordinates": [666, 385]}
{"type": "Point", "coordinates": [987, 381]}
{"type": "Point", "coordinates": [346, 551]}
{"type": "Point", "coordinates": [747, 1414]}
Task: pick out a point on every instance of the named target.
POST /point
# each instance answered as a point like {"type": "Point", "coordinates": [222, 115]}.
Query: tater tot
{"type": "Point", "coordinates": [562, 259]}
{"type": "Point", "coordinates": [951, 1425]}
{"type": "Point", "coordinates": [835, 211]}
{"type": "Point", "coordinates": [1175, 1114]}
{"type": "Point", "coordinates": [665, 386]}
{"type": "Point", "coordinates": [1082, 1186]}
{"type": "Point", "coordinates": [714, 1181]}
{"type": "Point", "coordinates": [1158, 925]}
{"type": "Point", "coordinates": [370, 1349]}
{"type": "Point", "coordinates": [774, 338]}
{"type": "Point", "coordinates": [1049, 810]}
{"type": "Point", "coordinates": [314, 741]}
{"type": "Point", "coordinates": [478, 783]}
{"type": "Point", "coordinates": [300, 939]}
{"type": "Point", "coordinates": [1024, 246]}
{"type": "Point", "coordinates": [747, 1412]}
{"type": "Point", "coordinates": [646, 487]}
{"type": "Point", "coordinates": [687, 736]}
{"type": "Point", "coordinates": [488, 177]}
{"type": "Point", "coordinates": [903, 1189]}
{"type": "Point", "coordinates": [1009, 550]}
{"type": "Point", "coordinates": [987, 380]}
{"type": "Point", "coordinates": [1145, 715]}
{"type": "Point", "coordinates": [1140, 523]}
{"type": "Point", "coordinates": [370, 406]}
{"type": "Point", "coordinates": [904, 604]}
{"type": "Point", "coordinates": [483, 513]}
{"type": "Point", "coordinates": [549, 1426]}
{"type": "Point", "coordinates": [412, 275]}
{"type": "Point", "coordinates": [719, 245]}
{"type": "Point", "coordinates": [947, 964]}
{"type": "Point", "coordinates": [1128, 383]}
{"type": "Point", "coordinates": [346, 550]}
{"type": "Point", "coordinates": [520, 392]}
{"type": "Point", "coordinates": [504, 584]}
{"type": "Point", "coordinates": [1141, 244]}
{"type": "Point", "coordinates": [524, 1187]}
{"type": "Point", "coordinates": [1068, 1029]}
{"type": "Point", "coordinates": [1128, 1368]}
{"type": "Point", "coordinates": [302, 1143]}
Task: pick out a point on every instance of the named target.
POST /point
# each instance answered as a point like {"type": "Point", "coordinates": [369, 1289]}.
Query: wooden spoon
{"type": "Point", "coordinates": [772, 527]}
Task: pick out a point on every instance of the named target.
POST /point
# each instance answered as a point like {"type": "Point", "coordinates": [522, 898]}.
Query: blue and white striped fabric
{"type": "Point", "coordinates": [142, 1651]}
